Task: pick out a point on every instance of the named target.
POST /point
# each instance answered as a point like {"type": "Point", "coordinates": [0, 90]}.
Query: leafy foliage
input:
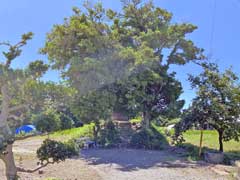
{"type": "Point", "coordinates": [48, 121]}
{"type": "Point", "coordinates": [94, 107]}
{"type": "Point", "coordinates": [148, 139]}
{"type": "Point", "coordinates": [37, 68]}
{"type": "Point", "coordinates": [54, 151]}
{"type": "Point", "coordinates": [217, 104]}
{"type": "Point", "coordinates": [66, 122]}
{"type": "Point", "coordinates": [124, 53]}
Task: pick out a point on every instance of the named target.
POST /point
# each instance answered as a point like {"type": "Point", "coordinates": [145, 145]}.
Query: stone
{"type": "Point", "coordinates": [214, 157]}
{"type": "Point", "coordinates": [237, 163]}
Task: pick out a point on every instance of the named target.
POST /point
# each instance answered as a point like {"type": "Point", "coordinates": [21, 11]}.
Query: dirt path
{"type": "Point", "coordinates": [117, 164]}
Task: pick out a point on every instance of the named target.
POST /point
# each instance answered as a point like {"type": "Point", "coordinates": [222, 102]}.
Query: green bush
{"type": "Point", "coordinates": [148, 139]}
{"type": "Point", "coordinates": [109, 136]}
{"type": "Point", "coordinates": [55, 151]}
{"type": "Point", "coordinates": [72, 148]}
{"type": "Point", "coordinates": [48, 121]}
{"type": "Point", "coordinates": [66, 122]}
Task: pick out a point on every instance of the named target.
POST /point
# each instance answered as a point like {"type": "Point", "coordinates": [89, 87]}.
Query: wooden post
{"type": "Point", "coordinates": [200, 146]}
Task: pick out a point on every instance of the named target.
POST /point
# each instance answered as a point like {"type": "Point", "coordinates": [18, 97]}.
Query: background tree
{"type": "Point", "coordinates": [14, 101]}
{"type": "Point", "coordinates": [23, 94]}
{"type": "Point", "coordinates": [56, 98]}
{"type": "Point", "coordinates": [98, 47]}
{"type": "Point", "coordinates": [217, 103]}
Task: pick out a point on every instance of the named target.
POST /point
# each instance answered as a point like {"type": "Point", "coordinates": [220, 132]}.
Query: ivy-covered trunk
{"type": "Point", "coordinates": [8, 159]}
{"type": "Point", "coordinates": [220, 140]}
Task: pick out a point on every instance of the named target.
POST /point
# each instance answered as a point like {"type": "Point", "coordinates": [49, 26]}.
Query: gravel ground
{"type": "Point", "coordinates": [127, 164]}
{"type": "Point", "coordinates": [118, 164]}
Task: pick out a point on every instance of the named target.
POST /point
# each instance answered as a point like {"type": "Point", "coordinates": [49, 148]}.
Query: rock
{"type": "Point", "coordinates": [237, 163]}
{"type": "Point", "coordinates": [214, 157]}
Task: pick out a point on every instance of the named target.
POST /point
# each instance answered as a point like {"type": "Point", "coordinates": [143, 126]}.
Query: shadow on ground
{"type": "Point", "coordinates": [133, 159]}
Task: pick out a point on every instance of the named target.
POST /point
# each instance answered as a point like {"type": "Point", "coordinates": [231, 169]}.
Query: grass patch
{"type": "Point", "coordinates": [68, 134]}
{"type": "Point", "coordinates": [210, 140]}
{"type": "Point", "coordinates": [85, 131]}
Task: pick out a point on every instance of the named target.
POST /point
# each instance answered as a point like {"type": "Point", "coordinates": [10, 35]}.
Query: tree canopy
{"type": "Point", "coordinates": [132, 50]}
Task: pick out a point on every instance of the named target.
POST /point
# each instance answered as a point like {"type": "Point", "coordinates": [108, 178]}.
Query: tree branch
{"type": "Point", "coordinates": [33, 170]}
{"type": "Point", "coordinates": [174, 50]}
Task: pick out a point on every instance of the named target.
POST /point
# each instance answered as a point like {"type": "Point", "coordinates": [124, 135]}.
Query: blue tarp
{"type": "Point", "coordinates": [25, 129]}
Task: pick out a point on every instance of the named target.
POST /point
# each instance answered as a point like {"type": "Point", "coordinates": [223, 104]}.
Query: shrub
{"type": "Point", "coordinates": [66, 122]}
{"type": "Point", "coordinates": [48, 121]}
{"type": "Point", "coordinates": [72, 148]}
{"type": "Point", "coordinates": [148, 139]}
{"type": "Point", "coordinates": [109, 136]}
{"type": "Point", "coordinates": [55, 151]}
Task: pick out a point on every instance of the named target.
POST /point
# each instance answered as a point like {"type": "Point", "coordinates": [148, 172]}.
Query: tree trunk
{"type": "Point", "coordinates": [146, 120]}
{"type": "Point", "coordinates": [220, 140]}
{"type": "Point", "coordinates": [8, 158]}
{"type": "Point", "coordinates": [96, 129]}
{"type": "Point", "coordinates": [200, 146]}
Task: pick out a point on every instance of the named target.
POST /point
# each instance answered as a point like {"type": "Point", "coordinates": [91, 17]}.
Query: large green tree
{"type": "Point", "coordinates": [217, 104]}
{"type": "Point", "coordinates": [131, 49]}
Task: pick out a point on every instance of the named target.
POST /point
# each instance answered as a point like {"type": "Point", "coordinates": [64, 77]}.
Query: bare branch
{"type": "Point", "coordinates": [33, 170]}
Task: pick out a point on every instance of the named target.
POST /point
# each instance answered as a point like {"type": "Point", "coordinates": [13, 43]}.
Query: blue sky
{"type": "Point", "coordinates": [21, 16]}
